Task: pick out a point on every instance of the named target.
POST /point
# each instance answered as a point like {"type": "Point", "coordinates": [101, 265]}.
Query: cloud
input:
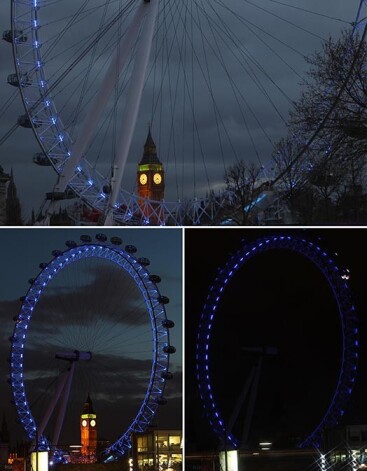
{"type": "Point", "coordinates": [87, 293]}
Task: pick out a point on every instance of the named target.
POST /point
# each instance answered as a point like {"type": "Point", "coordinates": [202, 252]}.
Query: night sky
{"type": "Point", "coordinates": [218, 91]}
{"type": "Point", "coordinates": [277, 299]}
{"type": "Point", "coordinates": [94, 308]}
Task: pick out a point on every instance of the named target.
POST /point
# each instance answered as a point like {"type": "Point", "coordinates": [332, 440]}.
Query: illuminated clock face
{"type": "Point", "coordinates": [84, 423]}
{"type": "Point", "coordinates": [143, 179]}
{"type": "Point", "coordinates": [157, 178]}
{"type": "Point", "coordinates": [93, 423]}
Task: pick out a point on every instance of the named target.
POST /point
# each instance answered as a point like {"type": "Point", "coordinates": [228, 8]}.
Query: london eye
{"type": "Point", "coordinates": [214, 80]}
{"type": "Point", "coordinates": [219, 411]}
{"type": "Point", "coordinates": [93, 321]}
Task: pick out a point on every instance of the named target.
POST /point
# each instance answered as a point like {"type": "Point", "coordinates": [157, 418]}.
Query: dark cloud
{"type": "Point", "coordinates": [103, 293]}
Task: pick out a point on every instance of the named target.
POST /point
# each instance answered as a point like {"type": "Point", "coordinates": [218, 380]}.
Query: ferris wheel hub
{"type": "Point", "coordinates": [75, 355]}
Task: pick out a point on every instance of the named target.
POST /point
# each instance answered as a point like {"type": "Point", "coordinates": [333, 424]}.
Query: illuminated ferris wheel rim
{"type": "Point", "coordinates": [85, 181]}
{"type": "Point", "coordinates": [160, 325]}
{"type": "Point", "coordinates": [337, 280]}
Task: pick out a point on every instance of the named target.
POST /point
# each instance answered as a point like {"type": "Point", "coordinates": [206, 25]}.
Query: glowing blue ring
{"type": "Point", "coordinates": [157, 314]}
{"type": "Point", "coordinates": [337, 279]}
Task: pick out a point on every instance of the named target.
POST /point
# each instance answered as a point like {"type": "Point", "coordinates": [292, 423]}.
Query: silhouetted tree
{"type": "Point", "coordinates": [243, 181]}
{"type": "Point", "coordinates": [333, 168]}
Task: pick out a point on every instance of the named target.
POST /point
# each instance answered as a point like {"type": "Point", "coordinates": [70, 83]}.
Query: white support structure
{"type": "Point", "coordinates": [132, 104]}
{"type": "Point", "coordinates": [249, 392]}
{"type": "Point", "coordinates": [63, 389]}
{"type": "Point", "coordinates": [118, 62]}
{"type": "Point", "coordinates": [64, 403]}
{"type": "Point", "coordinates": [52, 405]}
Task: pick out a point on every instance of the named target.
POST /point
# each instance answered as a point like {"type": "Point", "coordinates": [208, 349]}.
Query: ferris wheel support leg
{"type": "Point", "coordinates": [240, 402]}
{"type": "Point", "coordinates": [251, 405]}
{"type": "Point", "coordinates": [118, 62]}
{"type": "Point", "coordinates": [132, 104]}
{"type": "Point", "coordinates": [51, 406]}
{"type": "Point", "coordinates": [61, 415]}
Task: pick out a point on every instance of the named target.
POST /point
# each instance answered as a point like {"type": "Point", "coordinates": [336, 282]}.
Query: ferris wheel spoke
{"type": "Point", "coordinates": [291, 23]}
{"type": "Point", "coordinates": [249, 65]}
{"type": "Point", "coordinates": [311, 12]}
{"type": "Point", "coordinates": [86, 77]}
{"type": "Point", "coordinates": [212, 95]}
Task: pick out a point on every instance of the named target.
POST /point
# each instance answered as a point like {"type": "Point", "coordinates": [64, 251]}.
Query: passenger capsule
{"type": "Point", "coordinates": [131, 249]}
{"type": "Point", "coordinates": [25, 122]}
{"type": "Point", "coordinates": [169, 349]}
{"type": "Point", "coordinates": [56, 253]}
{"type": "Point", "coordinates": [101, 237]}
{"type": "Point", "coordinates": [55, 195]}
{"type": "Point", "coordinates": [71, 244]}
{"type": "Point", "coordinates": [24, 80]}
{"type": "Point", "coordinates": [168, 324]}
{"type": "Point", "coordinates": [116, 240]}
{"type": "Point", "coordinates": [22, 299]}
{"type": "Point", "coordinates": [86, 238]}
{"type": "Point", "coordinates": [40, 158]}
{"type": "Point", "coordinates": [69, 194]}
{"type": "Point", "coordinates": [31, 281]}
{"type": "Point", "coordinates": [13, 80]}
{"type": "Point", "coordinates": [144, 261]}
{"type": "Point", "coordinates": [43, 265]}
{"type": "Point", "coordinates": [163, 299]}
{"type": "Point", "coordinates": [18, 35]}
{"type": "Point", "coordinates": [155, 278]}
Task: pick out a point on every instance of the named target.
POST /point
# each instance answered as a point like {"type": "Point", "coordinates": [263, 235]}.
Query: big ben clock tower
{"type": "Point", "coordinates": [88, 431]}
{"type": "Point", "coordinates": [150, 179]}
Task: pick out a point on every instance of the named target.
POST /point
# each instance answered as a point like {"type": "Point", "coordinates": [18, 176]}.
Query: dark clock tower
{"type": "Point", "coordinates": [88, 431]}
{"type": "Point", "coordinates": [150, 180]}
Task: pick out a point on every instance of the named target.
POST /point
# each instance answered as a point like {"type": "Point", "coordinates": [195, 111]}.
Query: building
{"type": "Point", "coordinates": [4, 442]}
{"type": "Point", "coordinates": [10, 209]}
{"type": "Point", "coordinates": [4, 179]}
{"type": "Point", "coordinates": [157, 450]}
{"type": "Point", "coordinates": [88, 432]}
{"type": "Point", "coordinates": [150, 182]}
{"type": "Point", "coordinates": [13, 208]}
{"type": "Point", "coordinates": [348, 445]}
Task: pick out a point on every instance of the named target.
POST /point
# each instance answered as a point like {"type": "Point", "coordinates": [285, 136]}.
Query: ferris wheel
{"type": "Point", "coordinates": [215, 80]}
{"type": "Point", "coordinates": [93, 321]}
{"type": "Point", "coordinates": [337, 278]}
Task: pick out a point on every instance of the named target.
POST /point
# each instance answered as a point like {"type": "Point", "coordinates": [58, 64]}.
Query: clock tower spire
{"type": "Point", "coordinates": [150, 179]}
{"type": "Point", "coordinates": [88, 432]}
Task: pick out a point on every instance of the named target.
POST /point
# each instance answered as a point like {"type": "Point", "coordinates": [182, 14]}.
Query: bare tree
{"type": "Point", "coordinates": [335, 162]}
{"type": "Point", "coordinates": [243, 181]}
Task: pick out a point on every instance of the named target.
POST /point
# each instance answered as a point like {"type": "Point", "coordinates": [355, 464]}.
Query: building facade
{"type": "Point", "coordinates": [156, 450]}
